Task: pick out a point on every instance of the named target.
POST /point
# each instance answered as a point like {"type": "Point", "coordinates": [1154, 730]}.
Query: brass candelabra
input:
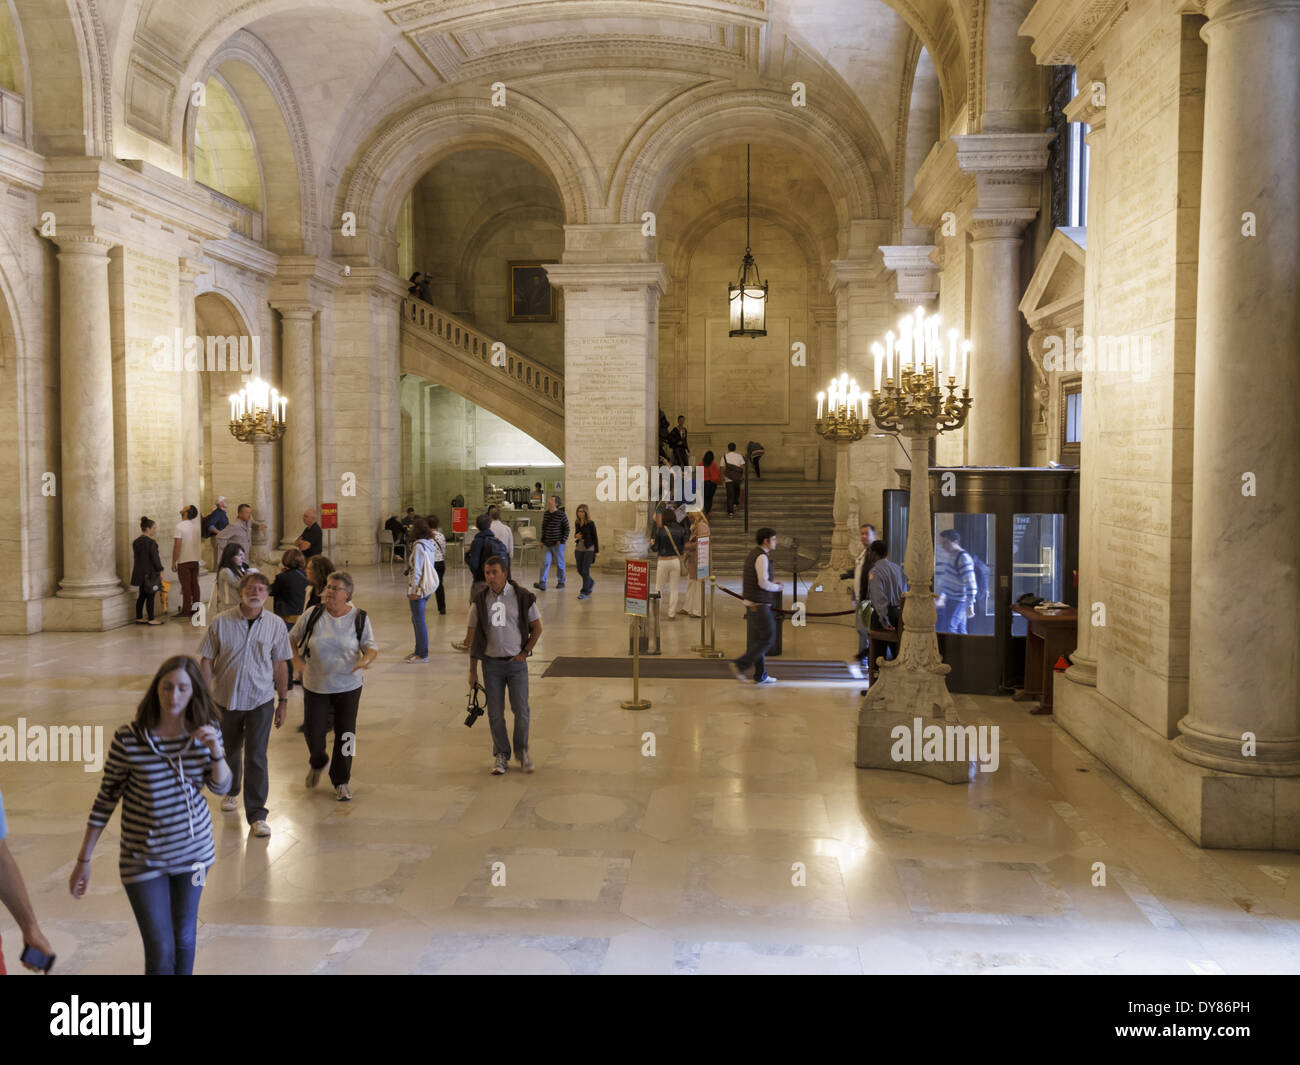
{"type": "Point", "coordinates": [258, 413]}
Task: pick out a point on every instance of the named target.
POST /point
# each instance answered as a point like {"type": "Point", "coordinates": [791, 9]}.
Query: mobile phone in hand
{"type": "Point", "coordinates": [37, 958]}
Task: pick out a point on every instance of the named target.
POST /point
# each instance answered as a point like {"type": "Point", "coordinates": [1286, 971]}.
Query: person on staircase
{"type": "Point", "coordinates": [733, 468]}
{"type": "Point", "coordinates": [754, 451]}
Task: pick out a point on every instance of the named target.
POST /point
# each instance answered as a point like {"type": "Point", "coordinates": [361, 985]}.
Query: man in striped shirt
{"type": "Point", "coordinates": [954, 584]}
{"type": "Point", "coordinates": [244, 658]}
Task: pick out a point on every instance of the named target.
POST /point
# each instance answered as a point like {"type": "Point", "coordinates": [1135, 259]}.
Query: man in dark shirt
{"type": "Point", "coordinates": [309, 543]}
{"type": "Point", "coordinates": [677, 441]}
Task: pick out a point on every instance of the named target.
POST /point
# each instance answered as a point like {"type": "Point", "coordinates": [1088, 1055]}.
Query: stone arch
{"type": "Point", "coordinates": [920, 125]}
{"type": "Point", "coordinates": [408, 145]}
{"type": "Point", "coordinates": [702, 122]}
{"type": "Point", "coordinates": [74, 62]}
{"type": "Point", "coordinates": [226, 464]}
{"type": "Point", "coordinates": [940, 23]}
{"type": "Point", "coordinates": [501, 210]}
{"type": "Point", "coordinates": [261, 88]}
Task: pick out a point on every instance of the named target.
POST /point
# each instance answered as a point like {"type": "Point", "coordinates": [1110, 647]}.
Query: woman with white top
{"type": "Point", "coordinates": [425, 581]}
{"type": "Point", "coordinates": [690, 562]}
{"type": "Point", "coordinates": [332, 646]}
{"type": "Point", "coordinates": [439, 561]}
{"type": "Point", "coordinates": [225, 588]}
{"type": "Point", "coordinates": [157, 766]}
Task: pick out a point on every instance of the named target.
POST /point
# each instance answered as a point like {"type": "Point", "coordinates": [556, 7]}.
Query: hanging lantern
{"type": "Point", "coordinates": [747, 297]}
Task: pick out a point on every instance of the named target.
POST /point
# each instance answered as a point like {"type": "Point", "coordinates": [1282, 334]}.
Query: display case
{"type": "Point", "coordinates": [1010, 531]}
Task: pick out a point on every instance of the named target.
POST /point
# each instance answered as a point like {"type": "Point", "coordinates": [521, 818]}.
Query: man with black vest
{"type": "Point", "coordinates": [760, 593]}
{"type": "Point", "coordinates": [504, 627]}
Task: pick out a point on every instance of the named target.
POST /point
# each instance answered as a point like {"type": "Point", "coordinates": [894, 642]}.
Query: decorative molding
{"type": "Point", "coordinates": [1064, 30]}
{"type": "Point", "coordinates": [579, 277]}
{"type": "Point", "coordinates": [980, 153]}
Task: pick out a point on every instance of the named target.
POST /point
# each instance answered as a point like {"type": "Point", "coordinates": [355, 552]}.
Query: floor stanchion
{"type": "Point", "coordinates": [636, 702]}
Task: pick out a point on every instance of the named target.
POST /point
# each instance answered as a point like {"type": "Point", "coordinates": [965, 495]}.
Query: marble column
{"type": "Point", "coordinates": [298, 445]}
{"type": "Point", "coordinates": [611, 351]}
{"type": "Point", "coordinates": [993, 429]}
{"type": "Point", "coordinates": [87, 485]}
{"type": "Point", "coordinates": [264, 495]}
{"type": "Point", "coordinates": [192, 399]}
{"type": "Point", "coordinates": [1083, 659]}
{"type": "Point", "coordinates": [1245, 553]}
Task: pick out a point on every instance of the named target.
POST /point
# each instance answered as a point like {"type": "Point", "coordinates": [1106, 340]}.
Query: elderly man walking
{"type": "Point", "coordinates": [245, 659]}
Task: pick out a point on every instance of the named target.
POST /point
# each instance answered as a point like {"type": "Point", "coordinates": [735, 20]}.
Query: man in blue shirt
{"type": "Point", "coordinates": [954, 584]}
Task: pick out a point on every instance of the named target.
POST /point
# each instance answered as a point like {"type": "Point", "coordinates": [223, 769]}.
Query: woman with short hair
{"type": "Point", "coordinates": [146, 570]}
{"type": "Point", "coordinates": [289, 589]}
{"type": "Point", "coordinates": [157, 766]}
{"type": "Point", "coordinates": [332, 645]}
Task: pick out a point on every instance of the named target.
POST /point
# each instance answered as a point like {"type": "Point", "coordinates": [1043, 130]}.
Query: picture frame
{"type": "Point", "coordinates": [532, 297]}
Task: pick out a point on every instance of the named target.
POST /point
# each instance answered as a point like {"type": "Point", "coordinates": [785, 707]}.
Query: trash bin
{"type": "Point", "coordinates": [650, 644]}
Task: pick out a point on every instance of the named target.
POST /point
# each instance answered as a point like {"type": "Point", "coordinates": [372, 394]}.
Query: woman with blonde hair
{"type": "Point", "coordinates": [690, 561]}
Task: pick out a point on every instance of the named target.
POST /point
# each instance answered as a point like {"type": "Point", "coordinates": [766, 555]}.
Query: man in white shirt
{"type": "Point", "coordinates": [187, 548]}
{"type": "Point", "coordinates": [733, 473]}
{"type": "Point", "coordinates": [761, 596]}
{"type": "Point", "coordinates": [502, 532]}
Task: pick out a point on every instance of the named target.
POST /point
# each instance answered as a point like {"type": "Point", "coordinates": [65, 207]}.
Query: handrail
{"type": "Point", "coordinates": [476, 344]}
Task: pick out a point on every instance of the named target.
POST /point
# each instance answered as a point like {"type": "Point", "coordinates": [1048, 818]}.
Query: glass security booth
{"type": "Point", "coordinates": [999, 533]}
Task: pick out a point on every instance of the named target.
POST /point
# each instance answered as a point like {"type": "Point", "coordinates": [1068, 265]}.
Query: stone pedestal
{"type": "Point", "coordinates": [913, 685]}
{"type": "Point", "coordinates": [610, 386]}
{"type": "Point", "coordinates": [87, 476]}
{"type": "Point", "coordinates": [1245, 555]}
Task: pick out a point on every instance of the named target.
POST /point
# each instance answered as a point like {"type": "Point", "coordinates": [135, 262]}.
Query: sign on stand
{"type": "Point", "coordinates": [329, 515]}
{"type": "Point", "coordinates": [460, 519]}
{"type": "Point", "coordinates": [702, 566]}
{"type": "Point", "coordinates": [636, 588]}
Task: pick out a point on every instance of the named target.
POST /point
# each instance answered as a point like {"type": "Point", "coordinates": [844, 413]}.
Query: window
{"type": "Point", "coordinates": [1068, 154]}
{"type": "Point", "coordinates": [1071, 421]}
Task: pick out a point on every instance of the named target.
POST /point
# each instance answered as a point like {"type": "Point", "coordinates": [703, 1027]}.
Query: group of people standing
{"type": "Point", "coordinates": [675, 543]}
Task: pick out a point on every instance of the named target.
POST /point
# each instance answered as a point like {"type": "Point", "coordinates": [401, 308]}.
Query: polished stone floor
{"type": "Point", "coordinates": [610, 861]}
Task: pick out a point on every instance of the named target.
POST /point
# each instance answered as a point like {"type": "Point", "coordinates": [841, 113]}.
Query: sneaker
{"type": "Point", "coordinates": [343, 793]}
{"type": "Point", "coordinates": [542, 587]}
{"type": "Point", "coordinates": [735, 672]}
{"type": "Point", "coordinates": [499, 764]}
{"type": "Point", "coordinates": [766, 680]}
{"type": "Point", "coordinates": [417, 658]}
{"type": "Point", "coordinates": [261, 829]}
{"type": "Point", "coordinates": [230, 804]}
{"type": "Point", "coordinates": [154, 622]}
{"type": "Point", "coordinates": [313, 777]}
{"type": "Point", "coordinates": [141, 621]}
{"type": "Point", "coordinates": [526, 760]}
{"type": "Point", "coordinates": [560, 585]}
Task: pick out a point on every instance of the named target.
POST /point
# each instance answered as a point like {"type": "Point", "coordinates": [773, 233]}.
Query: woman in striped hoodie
{"type": "Point", "coordinates": [157, 766]}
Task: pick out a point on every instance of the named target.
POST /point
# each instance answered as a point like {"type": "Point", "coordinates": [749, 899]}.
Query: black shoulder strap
{"type": "Point", "coordinates": [312, 618]}
{"type": "Point", "coordinates": [361, 624]}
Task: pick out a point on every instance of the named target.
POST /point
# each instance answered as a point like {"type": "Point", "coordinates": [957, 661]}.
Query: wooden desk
{"type": "Point", "coordinates": [1049, 637]}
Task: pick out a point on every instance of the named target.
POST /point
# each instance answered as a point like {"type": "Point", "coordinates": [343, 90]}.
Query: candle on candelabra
{"type": "Point", "coordinates": [877, 352]}
{"type": "Point", "coordinates": [904, 344]}
{"type": "Point", "coordinates": [889, 354]}
{"type": "Point", "coordinates": [284, 404]}
{"type": "Point", "coordinates": [965, 366]}
{"type": "Point", "coordinates": [952, 352]}
{"type": "Point", "coordinates": [821, 396]}
{"type": "Point", "coordinates": [234, 408]}
{"type": "Point", "coordinates": [918, 339]}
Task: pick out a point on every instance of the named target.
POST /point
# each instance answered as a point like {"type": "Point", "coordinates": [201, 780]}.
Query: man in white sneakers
{"type": "Point", "coordinates": [245, 659]}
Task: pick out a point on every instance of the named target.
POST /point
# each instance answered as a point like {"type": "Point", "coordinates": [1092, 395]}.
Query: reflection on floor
{"type": "Point", "coordinates": [747, 842]}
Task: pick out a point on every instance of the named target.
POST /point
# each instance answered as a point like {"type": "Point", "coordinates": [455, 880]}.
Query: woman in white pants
{"type": "Point", "coordinates": [667, 545]}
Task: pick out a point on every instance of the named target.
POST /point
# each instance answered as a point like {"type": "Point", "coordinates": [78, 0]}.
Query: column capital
{"type": "Point", "coordinates": [577, 277]}
{"type": "Point", "coordinates": [1084, 108]}
{"type": "Point", "coordinates": [914, 267]}
{"type": "Point", "coordinates": [1221, 12]}
{"type": "Point", "coordinates": [844, 272]}
{"type": "Point", "coordinates": [79, 242]}
{"type": "Point", "coordinates": [305, 280]}
{"type": "Point", "coordinates": [293, 311]}
{"type": "Point", "coordinates": [191, 269]}
{"type": "Point", "coordinates": [1000, 225]}
{"type": "Point", "coordinates": [1002, 153]}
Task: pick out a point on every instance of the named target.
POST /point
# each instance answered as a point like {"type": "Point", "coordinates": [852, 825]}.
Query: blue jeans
{"type": "Point", "coordinates": [550, 551]}
{"type": "Point", "coordinates": [951, 617]}
{"type": "Point", "coordinates": [166, 909]}
{"type": "Point", "coordinates": [498, 675]}
{"type": "Point", "coordinates": [421, 629]}
{"type": "Point", "coordinates": [584, 560]}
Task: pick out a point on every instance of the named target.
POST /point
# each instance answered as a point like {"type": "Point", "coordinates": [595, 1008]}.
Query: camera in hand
{"type": "Point", "coordinates": [474, 708]}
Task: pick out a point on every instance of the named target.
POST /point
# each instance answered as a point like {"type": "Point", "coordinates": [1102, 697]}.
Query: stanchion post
{"type": "Point", "coordinates": [709, 650]}
{"type": "Point", "coordinates": [636, 702]}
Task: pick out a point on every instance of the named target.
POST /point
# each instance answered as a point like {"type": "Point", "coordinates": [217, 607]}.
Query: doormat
{"type": "Point", "coordinates": [654, 668]}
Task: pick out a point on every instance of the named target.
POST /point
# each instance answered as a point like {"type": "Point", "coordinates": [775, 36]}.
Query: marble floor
{"type": "Point", "coordinates": [748, 842]}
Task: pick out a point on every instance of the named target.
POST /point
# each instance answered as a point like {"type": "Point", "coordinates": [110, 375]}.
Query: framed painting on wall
{"type": "Point", "coordinates": [532, 299]}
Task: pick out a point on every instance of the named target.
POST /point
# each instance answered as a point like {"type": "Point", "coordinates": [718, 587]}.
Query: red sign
{"type": "Point", "coordinates": [636, 587]}
{"type": "Point", "coordinates": [329, 515]}
{"type": "Point", "coordinates": [460, 519]}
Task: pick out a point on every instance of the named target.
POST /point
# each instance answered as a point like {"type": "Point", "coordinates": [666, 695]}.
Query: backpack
{"type": "Point", "coordinates": [981, 579]}
{"type": "Point", "coordinates": [303, 651]}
